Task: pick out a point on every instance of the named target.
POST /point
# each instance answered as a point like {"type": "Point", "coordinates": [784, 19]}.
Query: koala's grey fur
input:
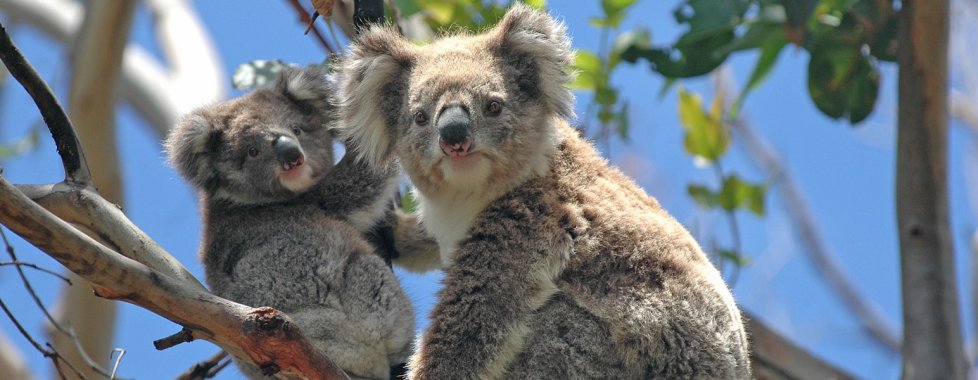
{"type": "Point", "coordinates": [294, 239]}
{"type": "Point", "coordinates": [557, 266]}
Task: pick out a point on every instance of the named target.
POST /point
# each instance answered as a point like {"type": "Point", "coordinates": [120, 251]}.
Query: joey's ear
{"type": "Point", "coordinates": [372, 90]}
{"type": "Point", "coordinates": [308, 85]}
{"type": "Point", "coordinates": [189, 147]}
{"type": "Point", "coordinates": [525, 32]}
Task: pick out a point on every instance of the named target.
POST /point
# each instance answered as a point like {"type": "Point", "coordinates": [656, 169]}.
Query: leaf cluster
{"type": "Point", "coordinates": [845, 39]}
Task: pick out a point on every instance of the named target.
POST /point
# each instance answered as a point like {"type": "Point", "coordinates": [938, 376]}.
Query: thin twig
{"type": "Point", "coordinates": [48, 353]}
{"type": "Point", "coordinates": [67, 331]}
{"type": "Point", "coordinates": [734, 228]}
{"type": "Point", "coordinates": [76, 168]}
{"type": "Point", "coordinates": [867, 312]}
{"type": "Point", "coordinates": [66, 362]}
{"type": "Point", "coordinates": [208, 368]}
{"type": "Point", "coordinates": [183, 336]}
{"type": "Point", "coordinates": [30, 288]}
{"type": "Point", "coordinates": [37, 268]}
{"type": "Point", "coordinates": [307, 20]}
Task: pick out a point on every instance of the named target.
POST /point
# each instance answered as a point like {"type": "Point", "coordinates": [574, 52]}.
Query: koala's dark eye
{"type": "Point", "coordinates": [252, 151]}
{"type": "Point", "coordinates": [297, 131]}
{"type": "Point", "coordinates": [420, 118]}
{"type": "Point", "coordinates": [494, 108]}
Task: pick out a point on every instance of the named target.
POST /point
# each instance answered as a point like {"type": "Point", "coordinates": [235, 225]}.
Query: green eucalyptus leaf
{"type": "Point", "coordinates": [735, 257]}
{"type": "Point", "coordinates": [798, 12]}
{"type": "Point", "coordinates": [706, 136]}
{"type": "Point", "coordinates": [606, 96]}
{"type": "Point", "coordinates": [770, 51]}
{"type": "Point", "coordinates": [615, 11]}
{"type": "Point", "coordinates": [538, 4]}
{"type": "Point", "coordinates": [621, 119]}
{"type": "Point", "coordinates": [640, 38]}
{"type": "Point", "coordinates": [703, 196]}
{"type": "Point", "coordinates": [691, 56]}
{"type": "Point", "coordinates": [736, 193]}
{"type": "Point", "coordinates": [588, 68]}
{"type": "Point", "coordinates": [256, 73]}
{"type": "Point", "coordinates": [708, 17]}
{"type": "Point", "coordinates": [842, 81]}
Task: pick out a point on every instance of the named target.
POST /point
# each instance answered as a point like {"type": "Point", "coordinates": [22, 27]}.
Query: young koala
{"type": "Point", "coordinates": [558, 266]}
{"type": "Point", "coordinates": [285, 228]}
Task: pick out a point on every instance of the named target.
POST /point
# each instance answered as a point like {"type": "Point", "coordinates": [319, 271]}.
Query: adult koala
{"type": "Point", "coordinates": [556, 264]}
{"type": "Point", "coordinates": [284, 227]}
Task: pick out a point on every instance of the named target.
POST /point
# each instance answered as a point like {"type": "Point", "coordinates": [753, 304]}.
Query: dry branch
{"type": "Point", "coordinates": [261, 335]}
{"type": "Point", "coordinates": [73, 159]}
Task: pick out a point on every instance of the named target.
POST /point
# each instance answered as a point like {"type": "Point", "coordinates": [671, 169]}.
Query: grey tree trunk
{"type": "Point", "coordinates": [931, 318]}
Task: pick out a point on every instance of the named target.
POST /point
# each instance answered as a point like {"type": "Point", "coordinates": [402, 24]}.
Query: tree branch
{"type": "Point", "coordinates": [262, 335]}
{"type": "Point", "coordinates": [867, 312]}
{"type": "Point", "coordinates": [206, 369]}
{"type": "Point", "coordinates": [306, 20]}
{"type": "Point", "coordinates": [774, 357]}
{"type": "Point", "coordinates": [73, 159]}
{"type": "Point", "coordinates": [931, 315]}
{"type": "Point", "coordinates": [84, 207]}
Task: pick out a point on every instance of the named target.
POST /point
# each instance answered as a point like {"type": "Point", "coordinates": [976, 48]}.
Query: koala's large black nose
{"type": "Point", "coordinates": [288, 152]}
{"type": "Point", "coordinates": [454, 126]}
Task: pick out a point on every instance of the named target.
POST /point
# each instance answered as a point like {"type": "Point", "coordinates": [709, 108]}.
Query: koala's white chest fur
{"type": "Point", "coordinates": [449, 220]}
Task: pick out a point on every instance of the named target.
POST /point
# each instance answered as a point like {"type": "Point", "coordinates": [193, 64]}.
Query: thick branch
{"type": "Point", "coordinates": [87, 209]}
{"type": "Point", "coordinates": [261, 335]}
{"type": "Point", "coordinates": [931, 316]}
{"type": "Point", "coordinates": [76, 169]}
{"type": "Point", "coordinates": [774, 357]}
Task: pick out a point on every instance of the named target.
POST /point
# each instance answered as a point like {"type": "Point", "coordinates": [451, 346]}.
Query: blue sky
{"type": "Point", "coordinates": [846, 173]}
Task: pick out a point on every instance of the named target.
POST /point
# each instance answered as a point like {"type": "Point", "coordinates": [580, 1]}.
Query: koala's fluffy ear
{"type": "Point", "coordinates": [373, 68]}
{"type": "Point", "coordinates": [533, 33]}
{"type": "Point", "coordinates": [189, 147]}
{"type": "Point", "coordinates": [308, 85]}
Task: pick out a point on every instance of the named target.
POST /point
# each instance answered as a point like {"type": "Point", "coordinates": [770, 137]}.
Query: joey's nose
{"type": "Point", "coordinates": [288, 152]}
{"type": "Point", "coordinates": [454, 128]}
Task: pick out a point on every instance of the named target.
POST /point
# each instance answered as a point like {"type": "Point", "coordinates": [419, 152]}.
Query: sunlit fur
{"type": "Point", "coordinates": [297, 242]}
{"type": "Point", "coordinates": [556, 265]}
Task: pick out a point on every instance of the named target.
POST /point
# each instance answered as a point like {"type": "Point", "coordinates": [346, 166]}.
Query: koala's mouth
{"type": "Point", "coordinates": [296, 176]}
{"type": "Point", "coordinates": [458, 150]}
{"type": "Point", "coordinates": [290, 165]}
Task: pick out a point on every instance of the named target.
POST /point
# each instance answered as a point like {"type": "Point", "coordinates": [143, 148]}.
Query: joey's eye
{"type": "Point", "coordinates": [494, 108]}
{"type": "Point", "coordinates": [253, 151]}
{"type": "Point", "coordinates": [420, 118]}
{"type": "Point", "coordinates": [297, 131]}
